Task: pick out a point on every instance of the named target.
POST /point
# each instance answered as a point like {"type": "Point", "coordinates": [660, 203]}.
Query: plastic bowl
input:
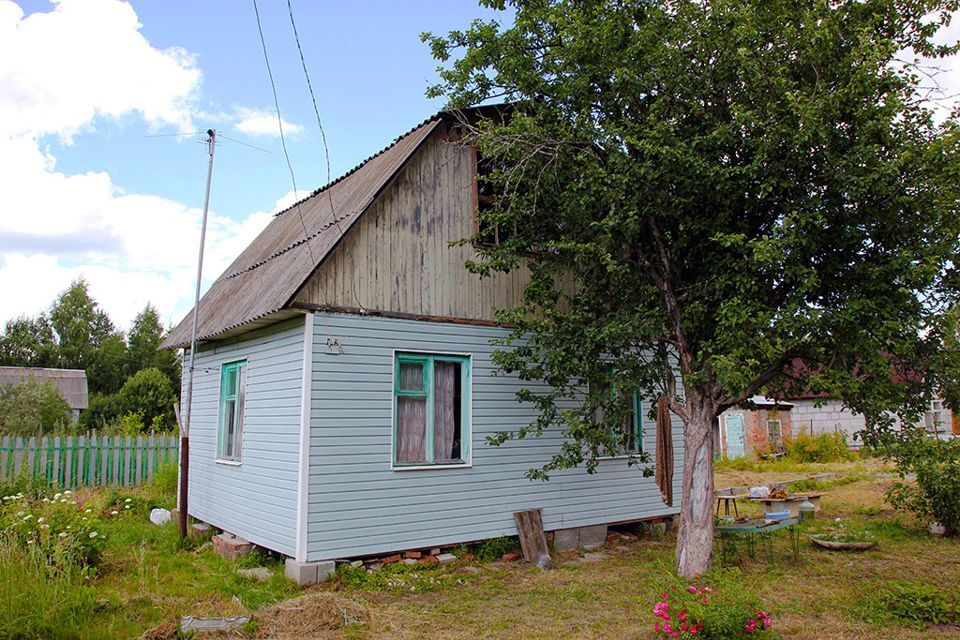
{"type": "Point", "coordinates": [776, 515]}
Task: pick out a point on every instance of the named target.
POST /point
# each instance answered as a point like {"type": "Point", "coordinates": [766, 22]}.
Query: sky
{"type": "Point", "coordinates": [96, 183]}
{"type": "Point", "coordinates": [95, 180]}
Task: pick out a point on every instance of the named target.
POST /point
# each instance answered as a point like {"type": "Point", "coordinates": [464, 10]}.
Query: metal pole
{"type": "Point", "coordinates": [185, 427]}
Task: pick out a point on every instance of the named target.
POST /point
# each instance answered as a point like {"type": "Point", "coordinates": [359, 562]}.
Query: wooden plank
{"type": "Point", "coordinates": [81, 458]}
{"type": "Point", "coordinates": [533, 541]}
{"type": "Point", "coordinates": [104, 452]}
{"type": "Point", "coordinates": [44, 451]}
{"type": "Point", "coordinates": [127, 459]}
{"type": "Point", "coordinates": [32, 456]}
{"type": "Point", "coordinates": [17, 456]}
{"type": "Point", "coordinates": [68, 451]}
{"type": "Point", "coordinates": [115, 452]}
{"type": "Point", "coordinates": [139, 458]}
{"type": "Point", "coordinates": [151, 453]}
{"type": "Point", "coordinates": [4, 455]}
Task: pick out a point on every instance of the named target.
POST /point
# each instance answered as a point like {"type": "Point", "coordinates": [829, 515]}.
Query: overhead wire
{"type": "Point", "coordinates": [283, 142]}
{"type": "Point", "coordinates": [323, 137]}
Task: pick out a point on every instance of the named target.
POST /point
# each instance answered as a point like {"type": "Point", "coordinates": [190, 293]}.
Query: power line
{"type": "Point", "coordinates": [323, 136]}
{"type": "Point", "coordinates": [283, 142]}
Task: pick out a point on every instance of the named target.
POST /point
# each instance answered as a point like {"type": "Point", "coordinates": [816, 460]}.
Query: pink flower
{"type": "Point", "coordinates": [706, 599]}
{"type": "Point", "coordinates": [693, 631]}
{"type": "Point", "coordinates": [692, 589]}
{"type": "Point", "coordinates": [656, 627]}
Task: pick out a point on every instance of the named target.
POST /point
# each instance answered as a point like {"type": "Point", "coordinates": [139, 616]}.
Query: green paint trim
{"type": "Point", "coordinates": [427, 362]}
{"type": "Point", "coordinates": [230, 371]}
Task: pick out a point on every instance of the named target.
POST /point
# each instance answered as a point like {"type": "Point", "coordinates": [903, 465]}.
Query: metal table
{"type": "Point", "coordinates": [751, 531]}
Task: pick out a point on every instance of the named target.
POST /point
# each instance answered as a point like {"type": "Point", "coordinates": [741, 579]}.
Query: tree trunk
{"type": "Point", "coordinates": [695, 538]}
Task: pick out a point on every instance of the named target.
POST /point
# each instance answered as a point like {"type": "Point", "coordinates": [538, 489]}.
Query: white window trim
{"type": "Point", "coordinates": [468, 462]}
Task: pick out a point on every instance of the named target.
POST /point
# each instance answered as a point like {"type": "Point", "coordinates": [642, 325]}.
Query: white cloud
{"type": "Point", "coordinates": [61, 72]}
{"type": "Point", "coordinates": [255, 122]}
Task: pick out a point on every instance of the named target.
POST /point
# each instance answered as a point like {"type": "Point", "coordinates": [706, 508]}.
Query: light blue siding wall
{"type": "Point", "coordinates": [358, 506]}
{"type": "Point", "coordinates": [256, 499]}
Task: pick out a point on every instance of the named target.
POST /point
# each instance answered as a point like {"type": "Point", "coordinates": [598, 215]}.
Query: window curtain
{"type": "Point", "coordinates": [445, 375]}
{"type": "Point", "coordinates": [411, 429]}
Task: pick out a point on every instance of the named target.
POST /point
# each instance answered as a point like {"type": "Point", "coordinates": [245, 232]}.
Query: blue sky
{"type": "Point", "coordinates": [92, 98]}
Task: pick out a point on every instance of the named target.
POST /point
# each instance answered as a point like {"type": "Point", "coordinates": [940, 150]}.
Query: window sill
{"type": "Point", "coordinates": [429, 467]}
{"type": "Point", "coordinates": [229, 463]}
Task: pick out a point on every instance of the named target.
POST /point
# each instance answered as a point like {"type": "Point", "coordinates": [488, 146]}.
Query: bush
{"type": "Point", "coordinates": [723, 610]}
{"type": "Point", "coordinates": [149, 391]}
{"type": "Point", "coordinates": [935, 495]}
{"type": "Point", "coordinates": [102, 412]}
{"type": "Point", "coordinates": [823, 447]}
{"type": "Point", "coordinates": [31, 407]}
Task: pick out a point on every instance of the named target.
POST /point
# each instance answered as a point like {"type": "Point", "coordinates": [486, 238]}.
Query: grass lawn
{"type": "Point", "coordinates": [147, 580]}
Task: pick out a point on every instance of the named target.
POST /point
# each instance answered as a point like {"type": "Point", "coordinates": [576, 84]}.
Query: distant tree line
{"type": "Point", "coordinates": [133, 384]}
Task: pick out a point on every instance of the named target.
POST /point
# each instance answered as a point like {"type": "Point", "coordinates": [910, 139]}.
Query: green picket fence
{"type": "Point", "coordinates": [89, 460]}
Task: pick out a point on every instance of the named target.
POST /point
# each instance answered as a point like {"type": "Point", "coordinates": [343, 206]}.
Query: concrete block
{"type": "Point", "coordinates": [446, 557]}
{"type": "Point", "coordinates": [230, 546]}
{"type": "Point", "coordinates": [566, 539]}
{"type": "Point", "coordinates": [307, 573]}
{"type": "Point", "coordinates": [593, 536]}
{"type": "Point", "coordinates": [189, 624]}
{"type": "Point", "coordinates": [200, 530]}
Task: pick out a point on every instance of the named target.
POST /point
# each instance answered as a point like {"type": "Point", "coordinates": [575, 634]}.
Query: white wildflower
{"type": "Point", "coordinates": [67, 492]}
{"type": "Point", "coordinates": [62, 534]}
{"type": "Point", "coordinates": [29, 541]}
{"type": "Point", "coordinates": [128, 500]}
{"type": "Point", "coordinates": [94, 534]}
{"type": "Point", "coordinates": [28, 516]}
{"type": "Point", "coordinates": [20, 514]}
{"type": "Point", "coordinates": [114, 512]}
{"type": "Point", "coordinates": [88, 510]}
{"type": "Point", "coordinates": [41, 519]}
{"type": "Point", "coordinates": [57, 496]}
{"type": "Point", "coordinates": [44, 526]}
{"type": "Point", "coordinates": [46, 499]}
{"type": "Point", "coordinates": [64, 500]}
{"type": "Point", "coordinates": [127, 507]}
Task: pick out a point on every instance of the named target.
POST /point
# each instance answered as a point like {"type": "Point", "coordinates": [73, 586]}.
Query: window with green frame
{"type": "Point", "coordinates": [431, 408]}
{"type": "Point", "coordinates": [233, 381]}
{"type": "Point", "coordinates": [628, 431]}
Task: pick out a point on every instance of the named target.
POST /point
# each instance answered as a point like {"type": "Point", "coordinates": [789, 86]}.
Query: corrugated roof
{"type": "Point", "coordinates": [265, 277]}
{"type": "Point", "coordinates": [71, 383]}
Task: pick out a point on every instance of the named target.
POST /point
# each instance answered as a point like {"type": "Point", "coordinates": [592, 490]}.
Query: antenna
{"type": "Point", "coordinates": [185, 427]}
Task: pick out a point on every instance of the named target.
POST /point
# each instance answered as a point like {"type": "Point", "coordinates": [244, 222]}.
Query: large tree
{"type": "Point", "coordinates": [143, 351]}
{"type": "Point", "coordinates": [714, 198]}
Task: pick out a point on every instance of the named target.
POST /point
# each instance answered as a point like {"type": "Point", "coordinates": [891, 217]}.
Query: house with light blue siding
{"type": "Point", "coordinates": [344, 388]}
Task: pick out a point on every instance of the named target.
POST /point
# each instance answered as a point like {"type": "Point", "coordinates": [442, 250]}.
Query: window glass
{"type": "Point", "coordinates": [431, 420]}
{"type": "Point", "coordinates": [233, 377]}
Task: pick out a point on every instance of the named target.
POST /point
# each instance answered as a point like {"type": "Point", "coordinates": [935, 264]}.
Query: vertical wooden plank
{"type": "Point", "coordinates": [102, 451]}
{"type": "Point", "coordinates": [68, 452]}
{"type": "Point", "coordinates": [18, 456]}
{"type": "Point", "coordinates": [81, 459]}
{"type": "Point", "coordinates": [138, 461]}
{"type": "Point", "coordinates": [127, 459]}
{"type": "Point", "coordinates": [533, 541]}
{"type": "Point", "coordinates": [32, 456]}
{"type": "Point", "coordinates": [4, 455]}
{"type": "Point", "coordinates": [151, 449]}
{"type": "Point", "coordinates": [55, 452]}
{"type": "Point", "coordinates": [43, 452]}
{"type": "Point", "coordinates": [115, 452]}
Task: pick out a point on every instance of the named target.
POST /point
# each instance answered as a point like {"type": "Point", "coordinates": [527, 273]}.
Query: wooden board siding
{"type": "Point", "coordinates": [256, 499]}
{"type": "Point", "coordinates": [358, 506]}
{"type": "Point", "coordinates": [398, 258]}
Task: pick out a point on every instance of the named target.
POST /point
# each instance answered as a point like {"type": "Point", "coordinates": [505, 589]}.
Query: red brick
{"type": "Point", "coordinates": [428, 560]}
{"type": "Point", "coordinates": [510, 557]}
{"type": "Point", "coordinates": [412, 554]}
{"type": "Point", "coordinates": [392, 559]}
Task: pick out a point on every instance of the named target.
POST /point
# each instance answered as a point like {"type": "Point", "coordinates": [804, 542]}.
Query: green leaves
{"type": "Point", "coordinates": [756, 189]}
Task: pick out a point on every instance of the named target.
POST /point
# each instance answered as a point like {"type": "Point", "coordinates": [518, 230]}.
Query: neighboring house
{"type": "Point", "coordinates": [71, 383]}
{"type": "Point", "coordinates": [762, 429]}
{"type": "Point", "coordinates": [344, 389]}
